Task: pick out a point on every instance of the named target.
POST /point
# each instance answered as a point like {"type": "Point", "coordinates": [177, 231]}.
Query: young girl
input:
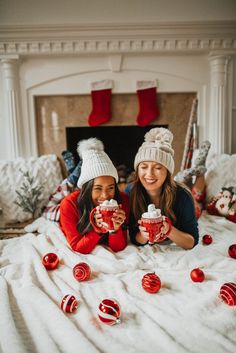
{"type": "Point", "coordinates": [97, 183]}
{"type": "Point", "coordinates": [154, 184]}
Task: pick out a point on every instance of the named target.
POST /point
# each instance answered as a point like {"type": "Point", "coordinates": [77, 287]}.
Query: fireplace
{"type": "Point", "coordinates": [62, 120]}
{"type": "Point", "coordinates": [120, 142]}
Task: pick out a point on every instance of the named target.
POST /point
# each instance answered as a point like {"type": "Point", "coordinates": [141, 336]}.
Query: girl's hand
{"type": "Point", "coordinates": [143, 236]}
{"type": "Point", "coordinates": [98, 218]}
{"type": "Point", "coordinates": [165, 228]}
{"type": "Point", "coordinates": [118, 218]}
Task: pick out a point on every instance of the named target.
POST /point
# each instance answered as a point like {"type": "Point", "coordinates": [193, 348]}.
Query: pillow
{"type": "Point", "coordinates": [221, 171]}
{"type": "Point", "coordinates": [22, 180]}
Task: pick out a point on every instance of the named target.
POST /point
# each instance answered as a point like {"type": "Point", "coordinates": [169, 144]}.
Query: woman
{"type": "Point", "coordinates": [97, 183]}
{"type": "Point", "coordinates": [154, 184]}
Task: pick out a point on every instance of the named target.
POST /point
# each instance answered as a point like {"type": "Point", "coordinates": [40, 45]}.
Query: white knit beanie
{"type": "Point", "coordinates": [157, 148]}
{"type": "Point", "coordinates": [95, 162]}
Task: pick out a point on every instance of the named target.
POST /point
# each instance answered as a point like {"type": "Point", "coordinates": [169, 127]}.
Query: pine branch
{"type": "Point", "coordinates": [28, 195]}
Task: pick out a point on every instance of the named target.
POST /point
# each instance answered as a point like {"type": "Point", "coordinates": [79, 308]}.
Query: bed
{"type": "Point", "coordinates": [182, 317]}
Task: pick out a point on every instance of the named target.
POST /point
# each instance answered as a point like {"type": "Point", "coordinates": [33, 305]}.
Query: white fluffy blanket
{"type": "Point", "coordinates": [182, 317]}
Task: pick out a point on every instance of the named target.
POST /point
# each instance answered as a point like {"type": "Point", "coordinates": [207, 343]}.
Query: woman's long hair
{"type": "Point", "coordinates": [140, 199]}
{"type": "Point", "coordinates": [85, 205]}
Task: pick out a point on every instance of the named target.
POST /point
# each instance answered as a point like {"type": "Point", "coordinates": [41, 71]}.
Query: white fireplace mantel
{"type": "Point", "coordinates": [64, 59]}
{"type": "Point", "coordinates": [113, 38]}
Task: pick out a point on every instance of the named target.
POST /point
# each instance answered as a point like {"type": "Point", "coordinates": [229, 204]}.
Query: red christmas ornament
{"type": "Point", "coordinates": [151, 283]}
{"type": "Point", "coordinates": [197, 275]}
{"type": "Point", "coordinates": [82, 271]}
{"type": "Point", "coordinates": [69, 303]}
{"type": "Point", "coordinates": [207, 239]}
{"type": "Point", "coordinates": [232, 251]}
{"type": "Point", "coordinates": [228, 293]}
{"type": "Point", "coordinates": [50, 261]}
{"type": "Point", "coordinates": [109, 312]}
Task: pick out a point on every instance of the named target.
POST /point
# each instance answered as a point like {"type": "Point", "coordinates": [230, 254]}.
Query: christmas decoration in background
{"type": "Point", "coordinates": [69, 303]}
{"type": "Point", "coordinates": [101, 102]}
{"type": "Point", "coordinates": [151, 283]}
{"type": "Point", "coordinates": [228, 293]}
{"type": "Point", "coordinates": [207, 239]}
{"type": "Point", "coordinates": [147, 97]}
{"type": "Point", "coordinates": [232, 251]}
{"type": "Point", "coordinates": [50, 261]}
{"type": "Point", "coordinates": [191, 137]}
{"type": "Point", "coordinates": [197, 275]}
{"type": "Point", "coordinates": [224, 204]}
{"type": "Point", "coordinates": [109, 311]}
{"type": "Point", "coordinates": [28, 195]}
{"type": "Point", "coordinates": [82, 272]}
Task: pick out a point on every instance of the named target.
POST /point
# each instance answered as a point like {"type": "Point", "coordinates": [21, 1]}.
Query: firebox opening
{"type": "Point", "coordinates": [120, 142]}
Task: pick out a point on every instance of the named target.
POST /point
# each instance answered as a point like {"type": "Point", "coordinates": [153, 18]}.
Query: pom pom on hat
{"type": "Point", "coordinates": [95, 161]}
{"type": "Point", "coordinates": [159, 134]}
{"type": "Point", "coordinates": [157, 148]}
{"type": "Point", "coordinates": [91, 144]}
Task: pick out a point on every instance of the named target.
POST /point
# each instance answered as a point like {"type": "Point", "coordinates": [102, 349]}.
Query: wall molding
{"type": "Point", "coordinates": [119, 38]}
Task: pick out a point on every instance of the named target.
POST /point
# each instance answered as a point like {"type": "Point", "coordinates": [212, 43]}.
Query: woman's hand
{"type": "Point", "coordinates": [98, 220]}
{"type": "Point", "coordinates": [165, 228]}
{"type": "Point", "coordinates": [143, 236]}
{"type": "Point", "coordinates": [118, 218]}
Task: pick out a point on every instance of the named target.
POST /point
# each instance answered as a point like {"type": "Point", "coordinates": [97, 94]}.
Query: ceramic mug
{"type": "Point", "coordinates": [107, 212]}
{"type": "Point", "coordinates": [154, 228]}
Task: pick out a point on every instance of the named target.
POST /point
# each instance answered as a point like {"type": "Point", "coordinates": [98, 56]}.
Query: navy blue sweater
{"type": "Point", "coordinates": [184, 211]}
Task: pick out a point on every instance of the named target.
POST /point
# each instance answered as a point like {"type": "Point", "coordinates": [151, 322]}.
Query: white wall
{"type": "Point", "coordinates": [28, 12]}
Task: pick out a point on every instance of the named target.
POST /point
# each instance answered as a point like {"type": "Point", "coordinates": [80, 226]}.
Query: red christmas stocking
{"type": "Point", "coordinates": [101, 99]}
{"type": "Point", "coordinates": [148, 109]}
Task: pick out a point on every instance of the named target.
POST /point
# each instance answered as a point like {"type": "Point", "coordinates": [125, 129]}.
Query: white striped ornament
{"type": "Point", "coordinates": [228, 293]}
{"type": "Point", "coordinates": [69, 303]}
{"type": "Point", "coordinates": [109, 311]}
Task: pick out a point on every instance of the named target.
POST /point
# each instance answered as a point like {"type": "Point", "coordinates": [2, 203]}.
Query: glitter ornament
{"type": "Point", "coordinates": [50, 261]}
{"type": "Point", "coordinates": [207, 239]}
{"type": "Point", "coordinates": [228, 293]}
{"type": "Point", "coordinates": [109, 312]}
{"type": "Point", "coordinates": [197, 275]}
{"type": "Point", "coordinates": [151, 283]}
{"type": "Point", "coordinates": [82, 272]}
{"type": "Point", "coordinates": [69, 303]}
{"type": "Point", "coordinates": [232, 251]}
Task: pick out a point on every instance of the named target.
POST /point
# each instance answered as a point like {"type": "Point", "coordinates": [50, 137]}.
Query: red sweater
{"type": "Point", "coordinates": [69, 218]}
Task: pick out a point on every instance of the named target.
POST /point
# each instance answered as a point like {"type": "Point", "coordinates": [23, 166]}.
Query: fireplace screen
{"type": "Point", "coordinates": [120, 142]}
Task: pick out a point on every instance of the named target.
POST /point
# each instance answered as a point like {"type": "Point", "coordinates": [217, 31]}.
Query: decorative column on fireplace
{"type": "Point", "coordinates": [12, 105]}
{"type": "Point", "coordinates": [220, 116]}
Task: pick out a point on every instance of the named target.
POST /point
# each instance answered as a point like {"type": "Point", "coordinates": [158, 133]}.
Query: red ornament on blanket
{"type": "Point", "coordinates": [82, 272]}
{"type": "Point", "coordinates": [207, 239]}
{"type": "Point", "coordinates": [109, 312]}
{"type": "Point", "coordinates": [228, 293]}
{"type": "Point", "coordinates": [50, 261]}
{"type": "Point", "coordinates": [69, 303]}
{"type": "Point", "coordinates": [197, 275]}
{"type": "Point", "coordinates": [151, 283]}
{"type": "Point", "coordinates": [232, 251]}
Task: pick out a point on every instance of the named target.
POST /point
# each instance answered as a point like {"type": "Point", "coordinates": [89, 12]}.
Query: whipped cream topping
{"type": "Point", "coordinates": [109, 203]}
{"type": "Point", "coordinates": [152, 212]}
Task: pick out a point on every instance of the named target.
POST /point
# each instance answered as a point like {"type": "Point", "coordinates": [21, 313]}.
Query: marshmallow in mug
{"type": "Point", "coordinates": [109, 203]}
{"type": "Point", "coordinates": [152, 212]}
